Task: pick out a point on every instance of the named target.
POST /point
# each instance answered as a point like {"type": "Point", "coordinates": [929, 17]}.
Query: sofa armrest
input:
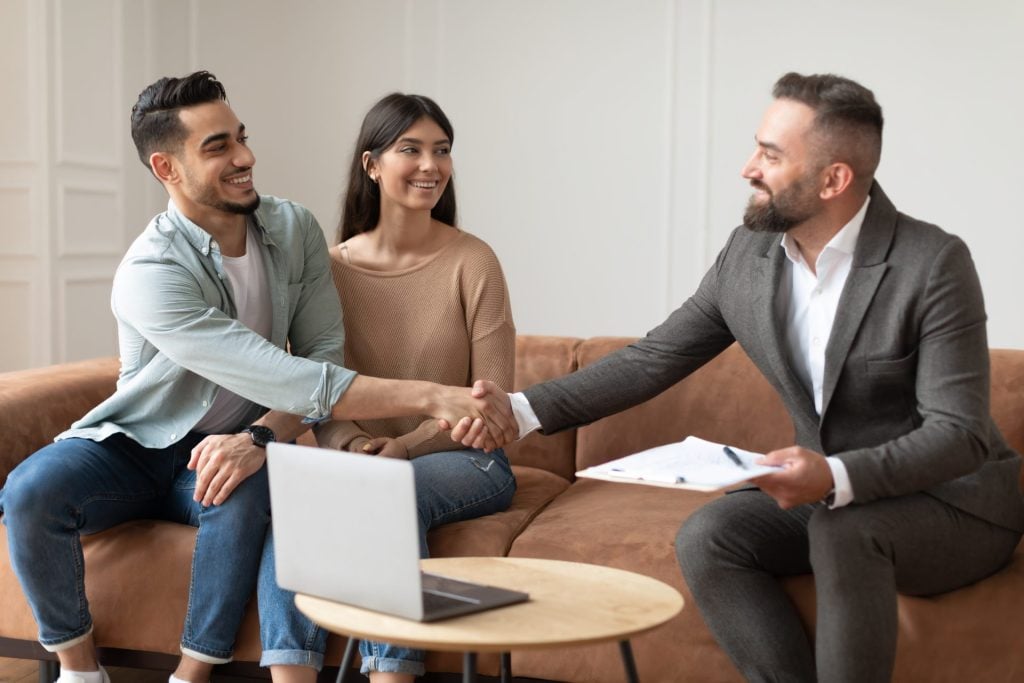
{"type": "Point", "coordinates": [37, 405]}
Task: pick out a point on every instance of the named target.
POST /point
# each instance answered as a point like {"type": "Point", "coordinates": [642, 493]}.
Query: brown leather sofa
{"type": "Point", "coordinates": [137, 573]}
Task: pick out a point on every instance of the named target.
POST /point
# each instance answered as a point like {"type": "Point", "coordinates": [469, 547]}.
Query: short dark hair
{"type": "Point", "coordinates": [847, 119]}
{"type": "Point", "coordinates": [156, 126]}
{"type": "Point", "coordinates": [382, 125]}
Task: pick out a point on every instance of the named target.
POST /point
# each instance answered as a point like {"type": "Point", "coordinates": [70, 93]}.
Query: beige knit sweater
{"type": "Point", "coordinates": [445, 320]}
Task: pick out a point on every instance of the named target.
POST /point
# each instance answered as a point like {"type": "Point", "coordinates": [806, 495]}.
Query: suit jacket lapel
{"type": "Point", "coordinates": [765, 279]}
{"type": "Point", "coordinates": [869, 265]}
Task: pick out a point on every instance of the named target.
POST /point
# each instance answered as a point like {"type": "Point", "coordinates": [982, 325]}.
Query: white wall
{"type": "Point", "coordinates": [61, 184]}
{"type": "Point", "coordinates": [598, 143]}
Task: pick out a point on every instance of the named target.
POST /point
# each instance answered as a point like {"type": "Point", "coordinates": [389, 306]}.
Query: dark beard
{"type": "Point", "coordinates": [782, 211]}
{"type": "Point", "coordinates": [232, 207]}
{"type": "Point", "coordinates": [207, 196]}
{"type": "Point", "coordinates": [767, 217]}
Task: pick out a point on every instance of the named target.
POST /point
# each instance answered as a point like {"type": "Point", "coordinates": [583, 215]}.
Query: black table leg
{"type": "Point", "coordinates": [628, 661]}
{"type": "Point", "coordinates": [48, 671]}
{"type": "Point", "coordinates": [346, 660]}
{"type": "Point", "coordinates": [469, 667]}
{"type": "Point", "coordinates": [506, 667]}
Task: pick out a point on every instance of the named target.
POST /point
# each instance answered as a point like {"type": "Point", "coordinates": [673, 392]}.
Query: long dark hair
{"type": "Point", "coordinates": [384, 123]}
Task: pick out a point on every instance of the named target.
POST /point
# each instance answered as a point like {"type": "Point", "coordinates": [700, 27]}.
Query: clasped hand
{"type": "Point", "coordinates": [222, 462]}
{"type": "Point", "coordinates": [479, 417]}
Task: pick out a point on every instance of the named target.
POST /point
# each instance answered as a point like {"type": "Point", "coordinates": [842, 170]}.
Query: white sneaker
{"type": "Point", "coordinates": [84, 676]}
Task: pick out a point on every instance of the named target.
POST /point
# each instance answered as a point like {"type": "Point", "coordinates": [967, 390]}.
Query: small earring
{"type": "Point", "coordinates": [373, 178]}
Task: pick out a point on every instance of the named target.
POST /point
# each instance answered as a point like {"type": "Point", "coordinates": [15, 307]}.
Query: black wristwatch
{"type": "Point", "coordinates": [260, 435]}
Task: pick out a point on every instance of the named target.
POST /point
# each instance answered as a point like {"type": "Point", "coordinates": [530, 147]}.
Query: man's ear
{"type": "Point", "coordinates": [837, 178]}
{"type": "Point", "coordinates": [164, 167]}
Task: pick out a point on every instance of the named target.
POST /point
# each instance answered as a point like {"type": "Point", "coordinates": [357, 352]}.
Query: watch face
{"type": "Point", "coordinates": [261, 435]}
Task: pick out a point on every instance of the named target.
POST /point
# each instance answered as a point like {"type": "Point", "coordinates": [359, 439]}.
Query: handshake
{"type": "Point", "coordinates": [478, 417]}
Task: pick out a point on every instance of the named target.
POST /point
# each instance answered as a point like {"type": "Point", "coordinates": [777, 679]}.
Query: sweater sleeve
{"type": "Point", "coordinates": [338, 434]}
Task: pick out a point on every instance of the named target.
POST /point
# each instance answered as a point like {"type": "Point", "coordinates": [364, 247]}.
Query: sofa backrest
{"type": "Point", "coordinates": [728, 400]}
{"type": "Point", "coordinates": [38, 404]}
{"type": "Point", "coordinates": [1008, 397]}
{"type": "Point", "coordinates": [538, 359]}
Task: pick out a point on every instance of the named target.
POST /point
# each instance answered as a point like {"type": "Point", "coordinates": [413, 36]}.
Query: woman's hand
{"type": "Point", "coordinates": [386, 447]}
{"type": "Point", "coordinates": [356, 444]}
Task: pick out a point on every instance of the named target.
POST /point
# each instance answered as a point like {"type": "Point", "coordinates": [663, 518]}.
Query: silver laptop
{"type": "Point", "coordinates": [345, 529]}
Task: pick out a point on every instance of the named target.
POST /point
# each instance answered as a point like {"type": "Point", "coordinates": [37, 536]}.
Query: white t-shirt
{"type": "Point", "coordinates": [248, 277]}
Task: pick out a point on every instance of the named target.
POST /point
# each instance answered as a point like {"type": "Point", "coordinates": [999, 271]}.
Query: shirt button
{"type": "Point", "coordinates": [816, 341]}
{"type": "Point", "coordinates": [174, 436]}
{"type": "Point", "coordinates": [206, 403]}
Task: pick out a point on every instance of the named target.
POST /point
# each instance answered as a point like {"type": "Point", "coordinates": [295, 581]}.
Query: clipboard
{"type": "Point", "coordinates": [693, 464]}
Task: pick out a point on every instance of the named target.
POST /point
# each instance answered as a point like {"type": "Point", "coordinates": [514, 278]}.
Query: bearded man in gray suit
{"type": "Point", "coordinates": [871, 326]}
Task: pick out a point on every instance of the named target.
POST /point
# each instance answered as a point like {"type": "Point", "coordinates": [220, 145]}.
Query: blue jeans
{"type": "Point", "coordinates": [450, 487]}
{"type": "Point", "coordinates": [76, 486]}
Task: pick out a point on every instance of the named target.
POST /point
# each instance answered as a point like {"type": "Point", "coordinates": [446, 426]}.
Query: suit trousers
{"type": "Point", "coordinates": [733, 550]}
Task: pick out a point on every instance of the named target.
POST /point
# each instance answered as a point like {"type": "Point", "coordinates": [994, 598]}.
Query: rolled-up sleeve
{"type": "Point", "coordinates": [166, 304]}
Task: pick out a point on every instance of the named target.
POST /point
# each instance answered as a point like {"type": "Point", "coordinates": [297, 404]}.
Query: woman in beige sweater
{"type": "Point", "coordinates": [421, 300]}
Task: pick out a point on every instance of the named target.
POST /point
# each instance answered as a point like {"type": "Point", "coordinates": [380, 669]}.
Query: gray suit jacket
{"type": "Point", "coordinates": [905, 402]}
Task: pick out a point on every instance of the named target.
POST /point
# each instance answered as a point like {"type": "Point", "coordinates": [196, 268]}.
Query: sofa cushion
{"type": "Point", "coordinates": [138, 559]}
{"type": "Point", "coordinates": [728, 401]}
{"type": "Point", "coordinates": [494, 534]}
{"type": "Point", "coordinates": [968, 634]}
{"type": "Point", "coordinates": [152, 559]}
{"type": "Point", "coordinates": [630, 527]}
{"type": "Point", "coordinates": [538, 359]}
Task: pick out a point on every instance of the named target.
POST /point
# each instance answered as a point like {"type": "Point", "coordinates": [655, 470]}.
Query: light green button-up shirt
{"type": "Point", "coordinates": [179, 339]}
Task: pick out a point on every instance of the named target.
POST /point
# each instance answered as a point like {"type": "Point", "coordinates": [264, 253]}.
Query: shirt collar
{"type": "Point", "coordinates": [844, 241]}
{"type": "Point", "coordinates": [199, 238]}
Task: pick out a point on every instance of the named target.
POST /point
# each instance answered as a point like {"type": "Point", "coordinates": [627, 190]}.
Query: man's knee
{"type": "Point", "coordinates": [32, 493]}
{"type": "Point", "coordinates": [846, 532]}
{"type": "Point", "coordinates": [251, 496]}
{"type": "Point", "coordinates": [697, 537]}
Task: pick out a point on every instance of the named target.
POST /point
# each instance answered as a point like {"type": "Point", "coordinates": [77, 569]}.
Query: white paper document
{"type": "Point", "coordinates": [692, 463]}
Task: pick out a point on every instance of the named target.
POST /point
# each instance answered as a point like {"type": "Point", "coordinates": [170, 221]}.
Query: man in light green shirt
{"type": "Point", "coordinates": [209, 301]}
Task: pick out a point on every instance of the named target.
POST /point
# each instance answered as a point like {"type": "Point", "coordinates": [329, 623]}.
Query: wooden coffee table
{"type": "Point", "coordinates": [570, 604]}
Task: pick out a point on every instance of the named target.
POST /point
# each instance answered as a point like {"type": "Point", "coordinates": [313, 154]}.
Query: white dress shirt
{"type": "Point", "coordinates": [806, 306]}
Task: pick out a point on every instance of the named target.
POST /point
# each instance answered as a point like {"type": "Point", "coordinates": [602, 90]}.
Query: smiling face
{"type": "Point", "coordinates": [783, 170]}
{"type": "Point", "coordinates": [215, 164]}
{"type": "Point", "coordinates": [413, 172]}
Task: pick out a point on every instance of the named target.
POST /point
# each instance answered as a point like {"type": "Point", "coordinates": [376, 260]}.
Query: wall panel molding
{"type": "Point", "coordinates": [16, 204]}
{"type": "Point", "coordinates": [16, 50]}
{"type": "Point", "coordinates": [89, 218]}
{"type": "Point", "coordinates": [17, 311]}
{"type": "Point", "coordinates": [87, 328]}
{"type": "Point", "coordinates": [87, 102]}
{"type": "Point", "coordinates": [692, 248]}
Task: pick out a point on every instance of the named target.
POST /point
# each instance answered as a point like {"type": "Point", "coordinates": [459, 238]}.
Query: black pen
{"type": "Point", "coordinates": [732, 456]}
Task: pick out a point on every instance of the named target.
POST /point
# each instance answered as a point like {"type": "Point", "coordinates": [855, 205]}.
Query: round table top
{"type": "Point", "coordinates": [570, 603]}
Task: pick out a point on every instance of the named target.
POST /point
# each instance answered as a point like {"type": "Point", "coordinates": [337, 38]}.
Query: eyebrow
{"type": "Point", "coordinates": [218, 137]}
{"type": "Point", "coordinates": [417, 141]}
{"type": "Point", "coordinates": [768, 145]}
